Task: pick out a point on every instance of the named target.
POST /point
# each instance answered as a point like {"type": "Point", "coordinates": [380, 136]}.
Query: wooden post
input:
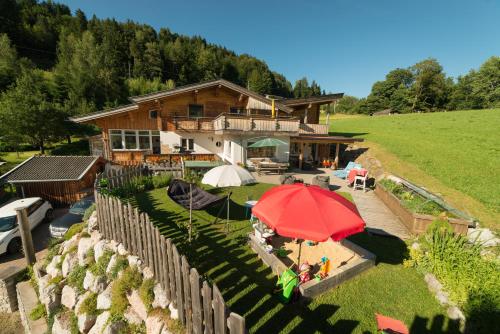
{"type": "Point", "coordinates": [190, 212]}
{"type": "Point", "coordinates": [236, 324]}
{"type": "Point", "coordinates": [301, 155]}
{"type": "Point", "coordinates": [300, 250]}
{"type": "Point", "coordinates": [220, 323]}
{"type": "Point", "coordinates": [196, 302]}
{"type": "Point", "coordinates": [26, 237]}
{"type": "Point", "coordinates": [187, 294]}
{"type": "Point", "coordinates": [336, 161]}
{"type": "Point", "coordinates": [207, 308]}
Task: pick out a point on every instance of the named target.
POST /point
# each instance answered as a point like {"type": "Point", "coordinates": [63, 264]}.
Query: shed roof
{"type": "Point", "coordinates": [322, 99]}
{"type": "Point", "coordinates": [50, 168]}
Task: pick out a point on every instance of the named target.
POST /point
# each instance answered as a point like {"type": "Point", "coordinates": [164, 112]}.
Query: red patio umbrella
{"type": "Point", "coordinates": [308, 212]}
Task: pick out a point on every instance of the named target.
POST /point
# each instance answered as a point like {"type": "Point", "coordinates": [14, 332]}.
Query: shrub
{"type": "Point", "coordinates": [52, 250]}
{"type": "Point", "coordinates": [121, 264]}
{"type": "Point", "coordinates": [56, 280]}
{"type": "Point", "coordinates": [161, 180]}
{"type": "Point", "coordinates": [99, 268]}
{"type": "Point", "coordinates": [131, 279]}
{"type": "Point", "coordinates": [88, 212]}
{"type": "Point", "coordinates": [74, 229]}
{"type": "Point", "coordinates": [471, 280]}
{"type": "Point", "coordinates": [89, 305]}
{"type": "Point", "coordinates": [146, 292]}
{"type": "Point", "coordinates": [76, 277]}
{"type": "Point", "coordinates": [38, 312]}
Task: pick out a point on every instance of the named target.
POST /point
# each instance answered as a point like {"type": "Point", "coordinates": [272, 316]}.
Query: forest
{"type": "Point", "coordinates": [55, 64]}
{"type": "Point", "coordinates": [425, 87]}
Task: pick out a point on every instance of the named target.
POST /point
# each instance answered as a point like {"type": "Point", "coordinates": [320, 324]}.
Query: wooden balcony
{"type": "Point", "coordinates": [202, 124]}
{"type": "Point", "coordinates": [313, 129]}
{"type": "Point", "coordinates": [238, 123]}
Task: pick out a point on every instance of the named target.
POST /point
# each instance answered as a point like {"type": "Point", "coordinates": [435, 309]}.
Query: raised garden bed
{"type": "Point", "coordinates": [362, 260]}
{"type": "Point", "coordinates": [416, 212]}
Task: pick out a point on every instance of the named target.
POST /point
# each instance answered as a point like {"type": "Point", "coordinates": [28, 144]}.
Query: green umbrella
{"type": "Point", "coordinates": [268, 142]}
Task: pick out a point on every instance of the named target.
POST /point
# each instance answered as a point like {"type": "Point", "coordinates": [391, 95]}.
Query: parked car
{"type": "Point", "coordinates": [38, 210]}
{"type": "Point", "coordinates": [75, 215]}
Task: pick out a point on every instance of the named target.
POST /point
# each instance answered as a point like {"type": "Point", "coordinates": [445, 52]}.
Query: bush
{"type": "Point", "coordinates": [161, 180]}
{"type": "Point", "coordinates": [38, 312]}
{"type": "Point", "coordinates": [147, 294]}
{"type": "Point", "coordinates": [130, 279]}
{"type": "Point", "coordinates": [471, 280]}
{"type": "Point", "coordinates": [74, 229]}
{"type": "Point", "coordinates": [52, 249]}
{"type": "Point", "coordinates": [121, 264]}
{"type": "Point", "coordinates": [89, 305]}
{"type": "Point", "coordinates": [88, 212]}
{"type": "Point", "coordinates": [76, 277]}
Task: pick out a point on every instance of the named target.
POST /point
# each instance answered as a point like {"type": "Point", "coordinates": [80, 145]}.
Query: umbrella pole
{"type": "Point", "coordinates": [227, 217]}
{"type": "Point", "coordinates": [298, 258]}
{"type": "Point", "coordinates": [190, 211]}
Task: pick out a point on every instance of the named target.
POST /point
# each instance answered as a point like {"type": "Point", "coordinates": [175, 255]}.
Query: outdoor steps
{"type": "Point", "coordinates": [27, 300]}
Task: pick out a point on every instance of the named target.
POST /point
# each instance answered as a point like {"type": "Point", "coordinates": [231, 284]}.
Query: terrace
{"type": "Point", "coordinates": [236, 123]}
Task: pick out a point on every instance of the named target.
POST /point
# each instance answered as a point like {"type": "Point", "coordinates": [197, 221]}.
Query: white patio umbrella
{"type": "Point", "coordinates": [228, 176]}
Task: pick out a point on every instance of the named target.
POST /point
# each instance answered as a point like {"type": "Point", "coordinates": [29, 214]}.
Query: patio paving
{"type": "Point", "coordinates": [377, 216]}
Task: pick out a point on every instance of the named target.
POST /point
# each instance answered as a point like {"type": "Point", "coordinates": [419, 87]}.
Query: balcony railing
{"type": "Point", "coordinates": [236, 123]}
{"type": "Point", "coordinates": [313, 129]}
{"type": "Point", "coordinates": [188, 124]}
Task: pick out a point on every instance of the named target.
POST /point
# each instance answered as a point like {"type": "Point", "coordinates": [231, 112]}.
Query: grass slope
{"type": "Point", "coordinates": [246, 283]}
{"type": "Point", "coordinates": [460, 149]}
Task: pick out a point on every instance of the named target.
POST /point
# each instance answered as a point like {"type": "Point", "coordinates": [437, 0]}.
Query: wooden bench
{"type": "Point", "coordinates": [270, 167]}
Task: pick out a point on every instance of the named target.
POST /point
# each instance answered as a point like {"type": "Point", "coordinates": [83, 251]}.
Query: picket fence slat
{"type": "Point", "coordinates": [200, 308]}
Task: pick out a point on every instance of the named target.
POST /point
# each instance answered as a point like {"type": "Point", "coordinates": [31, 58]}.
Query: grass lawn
{"type": "Point", "coordinates": [453, 153]}
{"type": "Point", "coordinates": [246, 283]}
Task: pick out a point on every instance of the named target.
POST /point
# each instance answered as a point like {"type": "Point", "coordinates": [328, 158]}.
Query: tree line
{"type": "Point", "coordinates": [424, 87]}
{"type": "Point", "coordinates": [55, 64]}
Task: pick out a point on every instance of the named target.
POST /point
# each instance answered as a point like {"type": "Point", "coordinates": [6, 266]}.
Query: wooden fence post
{"type": "Point", "coordinates": [26, 237]}
{"type": "Point", "coordinates": [187, 295]}
{"type": "Point", "coordinates": [171, 273]}
{"type": "Point", "coordinates": [236, 324]}
{"type": "Point", "coordinates": [165, 269]}
{"type": "Point", "coordinates": [178, 284]}
{"type": "Point", "coordinates": [220, 323]}
{"type": "Point", "coordinates": [194, 279]}
{"type": "Point", "coordinates": [207, 308]}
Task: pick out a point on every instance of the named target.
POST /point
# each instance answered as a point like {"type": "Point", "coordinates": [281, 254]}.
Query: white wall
{"type": "Point", "coordinates": [203, 142]}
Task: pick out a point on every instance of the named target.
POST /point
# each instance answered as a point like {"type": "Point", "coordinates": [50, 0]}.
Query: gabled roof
{"type": "Point", "coordinates": [50, 168]}
{"type": "Point", "coordinates": [176, 91]}
{"type": "Point", "coordinates": [322, 99]}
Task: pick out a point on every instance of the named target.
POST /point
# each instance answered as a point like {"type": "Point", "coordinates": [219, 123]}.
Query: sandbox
{"type": "Point", "coordinates": [346, 260]}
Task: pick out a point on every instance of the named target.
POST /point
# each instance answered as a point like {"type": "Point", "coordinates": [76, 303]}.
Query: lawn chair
{"type": "Point", "coordinates": [342, 173]}
{"type": "Point", "coordinates": [287, 282]}
{"type": "Point", "coordinates": [390, 325]}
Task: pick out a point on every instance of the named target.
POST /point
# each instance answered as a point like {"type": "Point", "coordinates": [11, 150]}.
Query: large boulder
{"type": "Point", "coordinates": [100, 322]}
{"type": "Point", "coordinates": [69, 263]}
{"type": "Point", "coordinates": [104, 299]}
{"type": "Point", "coordinates": [49, 294]}
{"type": "Point", "coordinates": [84, 245]}
{"type": "Point", "coordinates": [161, 299]}
{"type": "Point", "coordinates": [99, 248]}
{"type": "Point", "coordinates": [68, 245]}
{"type": "Point", "coordinates": [68, 297]}
{"type": "Point", "coordinates": [155, 325]}
{"type": "Point", "coordinates": [122, 250]}
{"type": "Point", "coordinates": [62, 323]}
{"type": "Point", "coordinates": [132, 317]}
{"type": "Point", "coordinates": [483, 236]}
{"type": "Point", "coordinates": [137, 305]}
{"type": "Point", "coordinates": [53, 268]}
{"type": "Point", "coordinates": [134, 261]}
{"type": "Point", "coordinates": [85, 322]}
{"type": "Point", "coordinates": [92, 222]}
{"type": "Point", "coordinates": [111, 263]}
{"type": "Point", "coordinates": [116, 327]}
{"type": "Point", "coordinates": [94, 283]}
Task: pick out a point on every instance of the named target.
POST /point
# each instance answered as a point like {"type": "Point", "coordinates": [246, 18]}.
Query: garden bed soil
{"type": "Point", "coordinates": [416, 223]}
{"type": "Point", "coordinates": [348, 260]}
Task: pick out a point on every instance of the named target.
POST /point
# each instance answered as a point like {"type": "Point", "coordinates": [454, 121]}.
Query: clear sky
{"type": "Point", "coordinates": [345, 45]}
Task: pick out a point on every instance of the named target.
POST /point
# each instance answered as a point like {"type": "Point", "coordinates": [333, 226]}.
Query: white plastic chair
{"type": "Point", "coordinates": [360, 181]}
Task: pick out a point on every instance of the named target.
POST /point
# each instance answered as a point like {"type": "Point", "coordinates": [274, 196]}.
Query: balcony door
{"type": "Point", "coordinates": [195, 111]}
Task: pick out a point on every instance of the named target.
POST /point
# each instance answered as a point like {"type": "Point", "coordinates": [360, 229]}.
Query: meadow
{"type": "Point", "coordinates": [455, 154]}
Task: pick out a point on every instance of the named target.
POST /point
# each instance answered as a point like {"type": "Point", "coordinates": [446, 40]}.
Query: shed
{"type": "Point", "coordinates": [62, 180]}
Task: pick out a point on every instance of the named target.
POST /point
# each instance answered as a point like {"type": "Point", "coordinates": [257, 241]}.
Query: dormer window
{"type": "Point", "coordinates": [153, 114]}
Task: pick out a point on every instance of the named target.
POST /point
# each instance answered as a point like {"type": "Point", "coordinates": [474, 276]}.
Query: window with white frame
{"type": "Point", "coordinates": [187, 144]}
{"type": "Point", "coordinates": [134, 139]}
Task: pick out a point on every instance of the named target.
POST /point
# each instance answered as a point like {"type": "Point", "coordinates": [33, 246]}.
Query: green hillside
{"type": "Point", "coordinates": [459, 150]}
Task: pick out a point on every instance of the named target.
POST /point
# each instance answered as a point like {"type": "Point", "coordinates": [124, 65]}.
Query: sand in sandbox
{"type": "Point", "coordinates": [334, 251]}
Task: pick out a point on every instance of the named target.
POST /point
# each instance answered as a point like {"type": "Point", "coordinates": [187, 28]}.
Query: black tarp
{"type": "Point", "coordinates": [178, 191]}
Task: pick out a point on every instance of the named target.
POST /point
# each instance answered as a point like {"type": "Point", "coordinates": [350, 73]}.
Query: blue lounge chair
{"type": "Point", "coordinates": [342, 173]}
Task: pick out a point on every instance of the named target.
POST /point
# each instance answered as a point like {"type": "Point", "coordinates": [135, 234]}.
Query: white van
{"type": "Point", "coordinates": [38, 211]}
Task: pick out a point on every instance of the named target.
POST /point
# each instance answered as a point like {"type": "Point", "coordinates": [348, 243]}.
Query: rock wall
{"type": "Point", "coordinates": [8, 298]}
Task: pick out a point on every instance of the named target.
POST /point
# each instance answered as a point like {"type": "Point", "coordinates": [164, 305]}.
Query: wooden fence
{"type": "Point", "coordinates": [201, 308]}
{"type": "Point", "coordinates": [119, 177]}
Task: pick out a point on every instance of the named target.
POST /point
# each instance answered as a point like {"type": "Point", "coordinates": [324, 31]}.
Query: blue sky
{"type": "Point", "coordinates": [345, 45]}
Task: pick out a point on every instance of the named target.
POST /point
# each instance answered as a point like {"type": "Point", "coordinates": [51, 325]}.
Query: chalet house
{"type": "Point", "coordinates": [212, 120]}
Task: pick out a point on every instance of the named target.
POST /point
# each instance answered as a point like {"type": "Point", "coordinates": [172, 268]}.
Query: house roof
{"type": "Point", "coordinates": [176, 91]}
{"type": "Point", "coordinates": [323, 99]}
{"type": "Point", "coordinates": [50, 168]}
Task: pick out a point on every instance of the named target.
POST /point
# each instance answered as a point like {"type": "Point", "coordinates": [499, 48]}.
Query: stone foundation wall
{"type": "Point", "coordinates": [8, 299]}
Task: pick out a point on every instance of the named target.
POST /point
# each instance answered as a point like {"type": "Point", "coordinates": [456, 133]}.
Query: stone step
{"type": "Point", "coordinates": [27, 301]}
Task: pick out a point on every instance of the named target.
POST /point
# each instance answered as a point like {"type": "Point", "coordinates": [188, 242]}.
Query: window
{"type": "Point", "coordinates": [187, 144]}
{"type": "Point", "coordinates": [130, 140]}
{"type": "Point", "coordinates": [195, 110]}
{"type": "Point", "coordinates": [236, 110]}
{"type": "Point", "coordinates": [144, 140]}
{"type": "Point", "coordinates": [135, 140]}
{"type": "Point", "coordinates": [153, 114]}
{"type": "Point", "coordinates": [33, 207]}
{"type": "Point", "coordinates": [116, 139]}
